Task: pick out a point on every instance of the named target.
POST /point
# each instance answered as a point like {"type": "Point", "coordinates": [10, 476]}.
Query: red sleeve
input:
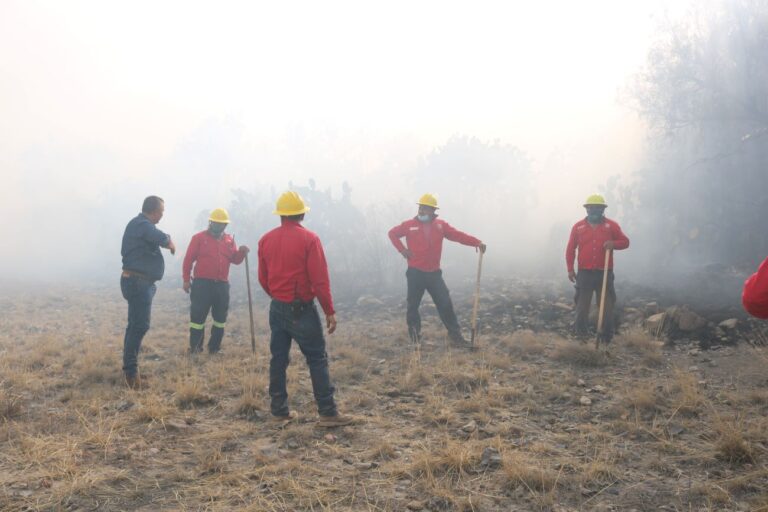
{"type": "Point", "coordinates": [454, 235]}
{"type": "Point", "coordinates": [189, 258]}
{"type": "Point", "coordinates": [395, 234]}
{"type": "Point", "coordinates": [620, 240]}
{"type": "Point", "coordinates": [755, 295]}
{"type": "Point", "coordinates": [317, 268]}
{"type": "Point", "coordinates": [570, 250]}
{"type": "Point", "coordinates": [237, 256]}
{"type": "Point", "coordinates": [263, 277]}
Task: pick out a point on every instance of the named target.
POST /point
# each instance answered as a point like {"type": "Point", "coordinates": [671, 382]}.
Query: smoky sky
{"type": "Point", "coordinates": [508, 113]}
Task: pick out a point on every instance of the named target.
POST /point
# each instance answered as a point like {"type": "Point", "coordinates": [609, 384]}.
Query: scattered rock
{"type": "Point", "coordinates": [329, 438]}
{"type": "Point", "coordinates": [581, 383]}
{"type": "Point", "coordinates": [491, 458]}
{"type": "Point", "coordinates": [470, 427]}
{"type": "Point", "coordinates": [369, 300]}
{"type": "Point", "coordinates": [654, 322]}
{"type": "Point", "coordinates": [729, 324]}
{"type": "Point", "coordinates": [365, 465]}
{"type": "Point", "coordinates": [416, 505]}
{"type": "Point", "coordinates": [585, 401]}
{"type": "Point", "coordinates": [685, 319]}
{"type": "Point", "coordinates": [176, 425]}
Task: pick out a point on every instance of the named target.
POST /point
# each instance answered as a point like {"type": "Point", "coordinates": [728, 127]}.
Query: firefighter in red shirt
{"type": "Point", "coordinates": [424, 236]}
{"type": "Point", "coordinates": [592, 236]}
{"type": "Point", "coordinates": [755, 295]}
{"type": "Point", "coordinates": [210, 252]}
{"type": "Point", "coordinates": [293, 271]}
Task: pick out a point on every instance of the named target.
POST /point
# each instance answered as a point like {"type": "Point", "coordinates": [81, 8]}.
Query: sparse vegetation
{"type": "Point", "coordinates": [530, 421]}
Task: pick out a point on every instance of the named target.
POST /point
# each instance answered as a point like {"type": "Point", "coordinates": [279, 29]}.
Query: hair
{"type": "Point", "coordinates": [293, 217]}
{"type": "Point", "coordinates": [151, 204]}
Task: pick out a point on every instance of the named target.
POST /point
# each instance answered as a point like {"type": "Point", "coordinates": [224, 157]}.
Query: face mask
{"type": "Point", "coordinates": [424, 218]}
{"type": "Point", "coordinates": [595, 217]}
{"type": "Point", "coordinates": [217, 229]}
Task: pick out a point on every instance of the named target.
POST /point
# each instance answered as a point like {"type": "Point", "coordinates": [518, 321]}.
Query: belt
{"type": "Point", "coordinates": [131, 273]}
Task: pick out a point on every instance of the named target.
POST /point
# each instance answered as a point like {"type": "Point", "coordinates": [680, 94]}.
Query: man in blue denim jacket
{"type": "Point", "coordinates": [142, 265]}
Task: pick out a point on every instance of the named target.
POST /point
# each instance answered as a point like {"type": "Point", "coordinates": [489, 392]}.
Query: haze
{"type": "Point", "coordinates": [103, 103]}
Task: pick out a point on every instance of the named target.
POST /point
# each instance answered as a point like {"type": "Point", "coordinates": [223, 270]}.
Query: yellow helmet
{"type": "Point", "coordinates": [428, 200]}
{"type": "Point", "coordinates": [595, 200]}
{"type": "Point", "coordinates": [290, 203]}
{"type": "Point", "coordinates": [219, 215]}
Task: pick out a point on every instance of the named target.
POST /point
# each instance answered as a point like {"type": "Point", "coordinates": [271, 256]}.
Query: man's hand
{"type": "Point", "coordinates": [406, 253]}
{"type": "Point", "coordinates": [608, 245]}
{"type": "Point", "coordinates": [330, 322]}
{"type": "Point", "coordinates": [482, 247]}
{"type": "Point", "coordinates": [244, 249]}
{"type": "Point", "coordinates": [572, 276]}
{"type": "Point", "coordinates": [186, 286]}
{"type": "Point", "coordinates": [171, 246]}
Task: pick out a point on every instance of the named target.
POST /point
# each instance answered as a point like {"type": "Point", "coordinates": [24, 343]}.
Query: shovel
{"type": "Point", "coordinates": [250, 303]}
{"type": "Point", "coordinates": [601, 312]}
{"type": "Point", "coordinates": [474, 333]}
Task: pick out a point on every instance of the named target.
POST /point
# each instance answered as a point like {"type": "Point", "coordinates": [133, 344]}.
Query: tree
{"type": "Point", "coordinates": [700, 197]}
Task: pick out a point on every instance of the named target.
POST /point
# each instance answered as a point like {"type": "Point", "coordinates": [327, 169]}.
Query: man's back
{"type": "Point", "coordinates": [292, 265]}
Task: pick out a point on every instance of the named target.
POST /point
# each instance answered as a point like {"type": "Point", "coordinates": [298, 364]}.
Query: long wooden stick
{"type": "Point", "coordinates": [601, 313]}
{"type": "Point", "coordinates": [250, 304]}
{"type": "Point", "coordinates": [473, 334]}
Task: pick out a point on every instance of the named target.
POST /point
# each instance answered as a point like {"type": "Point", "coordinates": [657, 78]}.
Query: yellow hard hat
{"type": "Point", "coordinates": [595, 200]}
{"type": "Point", "coordinates": [428, 200]}
{"type": "Point", "coordinates": [290, 203]}
{"type": "Point", "coordinates": [219, 215]}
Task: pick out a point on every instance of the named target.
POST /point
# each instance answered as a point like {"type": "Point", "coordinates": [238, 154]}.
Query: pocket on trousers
{"type": "Point", "coordinates": [126, 287]}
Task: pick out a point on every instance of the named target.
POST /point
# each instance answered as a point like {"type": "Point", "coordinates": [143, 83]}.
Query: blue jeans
{"type": "Point", "coordinates": [303, 325]}
{"type": "Point", "coordinates": [139, 294]}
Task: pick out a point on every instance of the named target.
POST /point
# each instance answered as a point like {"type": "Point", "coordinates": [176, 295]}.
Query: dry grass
{"type": "Point", "coordinates": [72, 437]}
{"type": "Point", "coordinates": [524, 344]}
{"type": "Point", "coordinates": [452, 459]}
{"type": "Point", "coordinates": [523, 470]}
{"type": "Point", "coordinates": [579, 354]}
{"type": "Point", "coordinates": [732, 445]}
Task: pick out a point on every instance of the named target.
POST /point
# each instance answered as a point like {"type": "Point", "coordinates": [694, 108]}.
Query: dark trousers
{"type": "Point", "coordinates": [139, 294]}
{"type": "Point", "coordinates": [588, 284]}
{"type": "Point", "coordinates": [302, 324]}
{"type": "Point", "coordinates": [207, 295]}
{"type": "Point", "coordinates": [432, 282]}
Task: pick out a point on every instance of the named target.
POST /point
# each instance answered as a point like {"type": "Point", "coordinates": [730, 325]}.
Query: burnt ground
{"type": "Point", "coordinates": [532, 420]}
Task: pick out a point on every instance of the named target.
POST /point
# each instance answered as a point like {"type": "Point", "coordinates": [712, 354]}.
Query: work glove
{"type": "Point", "coordinates": [572, 276]}
{"type": "Point", "coordinates": [186, 286]}
{"type": "Point", "coordinates": [608, 245]}
{"type": "Point", "coordinates": [244, 249]}
{"type": "Point", "coordinates": [406, 253]}
{"type": "Point", "coordinates": [482, 247]}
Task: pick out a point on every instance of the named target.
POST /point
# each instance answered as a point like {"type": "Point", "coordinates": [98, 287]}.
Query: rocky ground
{"type": "Point", "coordinates": [673, 418]}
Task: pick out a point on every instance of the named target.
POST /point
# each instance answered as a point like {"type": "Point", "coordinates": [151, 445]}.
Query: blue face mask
{"type": "Point", "coordinates": [595, 217]}
{"type": "Point", "coordinates": [424, 218]}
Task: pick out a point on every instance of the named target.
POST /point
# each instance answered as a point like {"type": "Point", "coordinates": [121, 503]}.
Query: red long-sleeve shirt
{"type": "Point", "coordinates": [211, 257]}
{"type": "Point", "coordinates": [589, 240]}
{"type": "Point", "coordinates": [292, 265]}
{"type": "Point", "coordinates": [425, 241]}
{"type": "Point", "coordinates": [755, 295]}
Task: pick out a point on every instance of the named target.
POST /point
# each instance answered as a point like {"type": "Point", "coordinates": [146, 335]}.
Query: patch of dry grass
{"type": "Point", "coordinates": [452, 459]}
{"type": "Point", "coordinates": [732, 444]}
{"type": "Point", "coordinates": [522, 469]}
{"type": "Point", "coordinates": [524, 343]}
{"type": "Point", "coordinates": [579, 354]}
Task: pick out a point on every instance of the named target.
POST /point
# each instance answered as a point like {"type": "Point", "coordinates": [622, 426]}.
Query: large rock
{"type": "Point", "coordinates": [729, 324]}
{"type": "Point", "coordinates": [685, 319]}
{"type": "Point", "coordinates": [654, 322]}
